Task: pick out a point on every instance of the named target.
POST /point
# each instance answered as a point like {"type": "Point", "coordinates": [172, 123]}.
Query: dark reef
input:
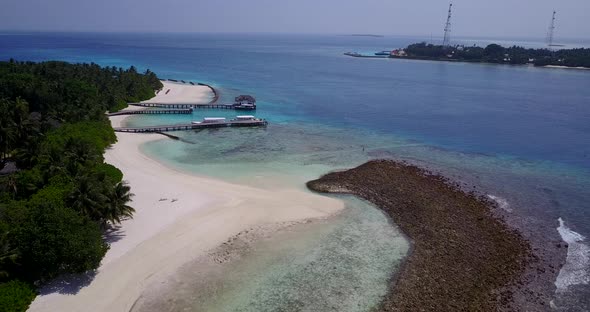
{"type": "Point", "coordinates": [463, 257]}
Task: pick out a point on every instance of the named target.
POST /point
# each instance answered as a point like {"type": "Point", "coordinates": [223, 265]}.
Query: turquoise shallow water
{"type": "Point", "coordinates": [321, 266]}
{"type": "Point", "coordinates": [521, 133]}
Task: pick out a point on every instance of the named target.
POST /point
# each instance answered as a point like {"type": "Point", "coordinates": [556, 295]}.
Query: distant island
{"type": "Point", "coordinates": [367, 35]}
{"type": "Point", "coordinates": [493, 53]}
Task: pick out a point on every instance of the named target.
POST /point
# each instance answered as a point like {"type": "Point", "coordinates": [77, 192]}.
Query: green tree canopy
{"type": "Point", "coordinates": [54, 209]}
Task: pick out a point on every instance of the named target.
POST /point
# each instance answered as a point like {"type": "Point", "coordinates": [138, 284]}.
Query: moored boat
{"type": "Point", "coordinates": [248, 120]}
{"type": "Point", "coordinates": [242, 120]}
{"type": "Point", "coordinates": [210, 120]}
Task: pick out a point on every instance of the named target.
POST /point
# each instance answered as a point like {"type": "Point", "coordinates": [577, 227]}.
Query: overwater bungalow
{"type": "Point", "coordinates": [247, 102]}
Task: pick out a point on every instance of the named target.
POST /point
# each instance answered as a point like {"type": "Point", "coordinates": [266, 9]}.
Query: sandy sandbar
{"type": "Point", "coordinates": [179, 217]}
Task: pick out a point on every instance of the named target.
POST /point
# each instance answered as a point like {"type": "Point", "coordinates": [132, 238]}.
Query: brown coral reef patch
{"type": "Point", "coordinates": [463, 258]}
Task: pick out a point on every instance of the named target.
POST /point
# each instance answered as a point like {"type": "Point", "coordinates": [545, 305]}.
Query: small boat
{"type": "Point", "coordinates": [245, 106]}
{"type": "Point", "coordinates": [353, 54]}
{"type": "Point", "coordinates": [210, 120]}
{"type": "Point", "coordinates": [383, 53]}
{"type": "Point", "coordinates": [245, 117]}
{"type": "Point", "coordinates": [239, 121]}
{"type": "Point", "coordinates": [245, 102]}
{"type": "Point", "coordinates": [248, 120]}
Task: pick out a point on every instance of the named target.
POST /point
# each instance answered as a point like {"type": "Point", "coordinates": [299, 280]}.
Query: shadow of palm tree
{"type": "Point", "coordinates": [113, 234]}
{"type": "Point", "coordinates": [69, 284]}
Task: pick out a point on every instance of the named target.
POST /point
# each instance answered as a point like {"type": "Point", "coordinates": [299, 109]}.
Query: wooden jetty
{"type": "Point", "coordinates": [236, 106]}
{"type": "Point", "coordinates": [242, 102]}
{"type": "Point", "coordinates": [195, 126]}
{"type": "Point", "coordinates": [153, 112]}
{"type": "Point", "coordinates": [355, 54]}
{"type": "Point", "coordinates": [191, 105]}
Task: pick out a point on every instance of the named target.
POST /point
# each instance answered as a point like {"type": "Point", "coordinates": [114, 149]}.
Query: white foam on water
{"type": "Point", "coordinates": [502, 202]}
{"type": "Point", "coordinates": [576, 269]}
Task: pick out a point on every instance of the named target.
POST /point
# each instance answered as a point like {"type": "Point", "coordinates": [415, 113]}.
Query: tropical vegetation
{"type": "Point", "coordinates": [15, 296]}
{"type": "Point", "coordinates": [495, 53]}
{"type": "Point", "coordinates": [57, 195]}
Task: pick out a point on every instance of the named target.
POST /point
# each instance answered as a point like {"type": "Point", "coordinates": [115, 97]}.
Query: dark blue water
{"type": "Point", "coordinates": [521, 132]}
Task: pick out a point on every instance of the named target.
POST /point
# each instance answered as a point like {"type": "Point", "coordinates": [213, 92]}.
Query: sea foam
{"type": "Point", "coordinates": [575, 271]}
{"type": "Point", "coordinates": [502, 202]}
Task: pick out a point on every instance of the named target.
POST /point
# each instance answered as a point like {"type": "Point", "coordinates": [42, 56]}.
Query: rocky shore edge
{"type": "Point", "coordinates": [463, 256]}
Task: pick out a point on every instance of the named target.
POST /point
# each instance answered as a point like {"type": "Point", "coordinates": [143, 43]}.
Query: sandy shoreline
{"type": "Point", "coordinates": [179, 217]}
{"type": "Point", "coordinates": [566, 67]}
{"type": "Point", "coordinates": [178, 93]}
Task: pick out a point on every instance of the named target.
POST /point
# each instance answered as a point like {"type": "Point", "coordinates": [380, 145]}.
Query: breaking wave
{"type": "Point", "coordinates": [575, 271]}
{"type": "Point", "coordinates": [502, 202]}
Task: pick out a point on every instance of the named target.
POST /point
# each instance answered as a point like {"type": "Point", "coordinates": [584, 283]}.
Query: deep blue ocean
{"type": "Point", "coordinates": [520, 133]}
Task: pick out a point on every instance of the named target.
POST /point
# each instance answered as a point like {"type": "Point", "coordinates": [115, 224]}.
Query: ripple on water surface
{"type": "Point", "coordinates": [341, 264]}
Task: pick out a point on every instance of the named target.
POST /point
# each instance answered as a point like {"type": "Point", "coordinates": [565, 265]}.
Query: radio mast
{"type": "Point", "coordinates": [551, 31]}
{"type": "Point", "coordinates": [447, 38]}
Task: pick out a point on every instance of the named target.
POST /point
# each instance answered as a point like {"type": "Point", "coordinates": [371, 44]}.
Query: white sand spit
{"type": "Point", "coordinates": [179, 93]}
{"type": "Point", "coordinates": [179, 217]}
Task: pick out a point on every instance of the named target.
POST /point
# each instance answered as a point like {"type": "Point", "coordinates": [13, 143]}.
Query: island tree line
{"type": "Point", "coordinates": [494, 53]}
{"type": "Point", "coordinates": [58, 197]}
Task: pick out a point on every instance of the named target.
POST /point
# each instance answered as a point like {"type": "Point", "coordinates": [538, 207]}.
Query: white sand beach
{"type": "Point", "coordinates": [179, 93]}
{"type": "Point", "coordinates": [566, 67]}
{"type": "Point", "coordinates": [179, 217]}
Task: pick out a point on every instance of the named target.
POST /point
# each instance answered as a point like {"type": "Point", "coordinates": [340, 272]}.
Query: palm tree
{"type": "Point", "coordinates": [77, 155]}
{"type": "Point", "coordinates": [52, 162]}
{"type": "Point", "coordinates": [119, 197]}
{"type": "Point", "coordinates": [21, 118]}
{"type": "Point", "coordinates": [7, 130]}
{"type": "Point", "coordinates": [8, 255]}
{"type": "Point", "coordinates": [10, 186]}
{"type": "Point", "coordinates": [87, 199]}
{"type": "Point", "coordinates": [26, 154]}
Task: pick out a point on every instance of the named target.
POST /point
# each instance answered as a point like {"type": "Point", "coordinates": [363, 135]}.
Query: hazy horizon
{"type": "Point", "coordinates": [471, 19]}
{"type": "Point", "coordinates": [421, 36]}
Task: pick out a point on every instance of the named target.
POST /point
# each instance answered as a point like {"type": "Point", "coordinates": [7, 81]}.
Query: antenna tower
{"type": "Point", "coordinates": [551, 31]}
{"type": "Point", "coordinates": [447, 38]}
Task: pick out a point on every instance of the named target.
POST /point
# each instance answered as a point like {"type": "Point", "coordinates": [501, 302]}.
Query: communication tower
{"type": "Point", "coordinates": [447, 38]}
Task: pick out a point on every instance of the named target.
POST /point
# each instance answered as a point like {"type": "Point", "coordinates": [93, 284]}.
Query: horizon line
{"type": "Point", "coordinates": [368, 34]}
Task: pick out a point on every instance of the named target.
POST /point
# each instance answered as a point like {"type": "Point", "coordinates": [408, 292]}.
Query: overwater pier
{"type": "Point", "coordinates": [242, 102]}
{"type": "Point", "coordinates": [153, 112]}
{"type": "Point", "coordinates": [195, 126]}
{"type": "Point", "coordinates": [236, 106]}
